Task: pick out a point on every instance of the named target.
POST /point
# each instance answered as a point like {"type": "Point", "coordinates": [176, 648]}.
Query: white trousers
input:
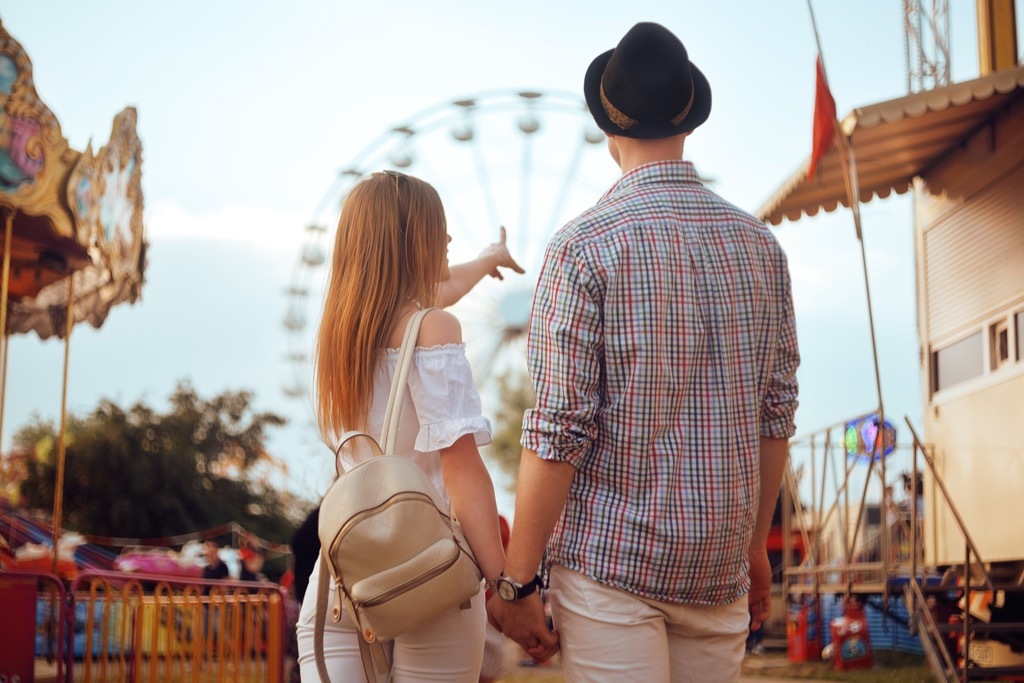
{"type": "Point", "coordinates": [610, 635]}
{"type": "Point", "coordinates": [447, 650]}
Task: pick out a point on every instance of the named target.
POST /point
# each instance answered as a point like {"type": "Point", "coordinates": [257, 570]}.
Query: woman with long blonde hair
{"type": "Point", "coordinates": [390, 260]}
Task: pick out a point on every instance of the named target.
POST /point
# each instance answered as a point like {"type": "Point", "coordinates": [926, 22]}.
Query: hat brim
{"type": "Point", "coordinates": [645, 130]}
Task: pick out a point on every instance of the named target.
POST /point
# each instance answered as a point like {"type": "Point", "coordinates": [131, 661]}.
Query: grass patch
{"type": "Point", "coordinates": [889, 667]}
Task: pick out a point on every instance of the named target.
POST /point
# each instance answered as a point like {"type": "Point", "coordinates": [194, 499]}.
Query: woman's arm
{"type": "Point", "coordinates": [472, 492]}
{"type": "Point", "coordinates": [466, 477]}
{"type": "Point", "coordinates": [465, 276]}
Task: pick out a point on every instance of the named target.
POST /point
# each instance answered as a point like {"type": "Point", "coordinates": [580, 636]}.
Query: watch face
{"type": "Point", "coordinates": [506, 591]}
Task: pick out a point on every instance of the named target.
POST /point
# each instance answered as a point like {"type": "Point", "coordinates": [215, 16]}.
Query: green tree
{"type": "Point", "coordinates": [138, 473]}
{"type": "Point", "coordinates": [517, 396]}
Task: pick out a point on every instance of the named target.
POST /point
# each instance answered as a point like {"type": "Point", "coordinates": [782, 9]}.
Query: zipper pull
{"type": "Point", "coordinates": [338, 598]}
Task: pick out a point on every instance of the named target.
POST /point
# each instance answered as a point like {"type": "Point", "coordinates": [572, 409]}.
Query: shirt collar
{"type": "Point", "coordinates": [676, 171]}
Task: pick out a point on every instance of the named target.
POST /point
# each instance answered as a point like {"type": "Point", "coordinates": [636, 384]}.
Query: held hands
{"type": "Point", "coordinates": [497, 256]}
{"type": "Point", "coordinates": [523, 621]}
{"type": "Point", "coordinates": [760, 596]}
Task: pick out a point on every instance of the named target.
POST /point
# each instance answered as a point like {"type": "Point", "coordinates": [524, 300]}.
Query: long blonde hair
{"type": "Point", "coordinates": [389, 251]}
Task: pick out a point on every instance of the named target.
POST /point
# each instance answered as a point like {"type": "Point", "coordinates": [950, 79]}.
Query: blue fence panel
{"type": "Point", "coordinates": [887, 628]}
{"type": "Point", "coordinates": [44, 614]}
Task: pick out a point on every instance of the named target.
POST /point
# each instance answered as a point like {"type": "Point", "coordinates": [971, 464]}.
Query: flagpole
{"type": "Point", "coordinates": [849, 169]}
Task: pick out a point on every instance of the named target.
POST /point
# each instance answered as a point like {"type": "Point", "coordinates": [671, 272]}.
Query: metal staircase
{"type": "Point", "coordinates": [971, 624]}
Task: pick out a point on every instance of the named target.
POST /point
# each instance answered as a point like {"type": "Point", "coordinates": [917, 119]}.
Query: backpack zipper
{"type": "Point", "coordinates": [336, 612]}
{"type": "Point", "coordinates": [438, 569]}
{"type": "Point", "coordinates": [397, 498]}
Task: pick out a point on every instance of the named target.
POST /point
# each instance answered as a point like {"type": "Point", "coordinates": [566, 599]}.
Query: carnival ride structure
{"type": "Point", "coordinates": [73, 238]}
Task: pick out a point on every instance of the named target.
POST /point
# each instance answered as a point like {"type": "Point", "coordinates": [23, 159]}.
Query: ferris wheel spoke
{"type": "Point", "coordinates": [524, 192]}
{"type": "Point", "coordinates": [563, 192]}
{"type": "Point", "coordinates": [484, 180]}
{"type": "Point", "coordinates": [453, 210]}
{"type": "Point", "coordinates": [486, 358]}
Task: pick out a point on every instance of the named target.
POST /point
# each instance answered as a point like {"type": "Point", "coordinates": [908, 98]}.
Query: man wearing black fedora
{"type": "Point", "coordinates": [663, 353]}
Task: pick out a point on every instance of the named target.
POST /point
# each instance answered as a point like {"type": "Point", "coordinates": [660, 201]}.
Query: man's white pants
{"type": "Point", "coordinates": [609, 635]}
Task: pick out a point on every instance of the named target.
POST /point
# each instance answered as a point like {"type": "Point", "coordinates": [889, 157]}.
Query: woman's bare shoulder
{"type": "Point", "coordinates": [439, 327]}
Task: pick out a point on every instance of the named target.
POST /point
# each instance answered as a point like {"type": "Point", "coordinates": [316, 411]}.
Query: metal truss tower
{"type": "Point", "coordinates": [926, 43]}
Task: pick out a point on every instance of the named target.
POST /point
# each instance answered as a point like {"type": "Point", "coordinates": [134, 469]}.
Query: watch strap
{"type": "Point", "coordinates": [531, 587]}
{"type": "Point", "coordinates": [523, 590]}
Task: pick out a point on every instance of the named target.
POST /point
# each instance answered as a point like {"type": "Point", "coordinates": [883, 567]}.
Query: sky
{"type": "Point", "coordinates": [247, 113]}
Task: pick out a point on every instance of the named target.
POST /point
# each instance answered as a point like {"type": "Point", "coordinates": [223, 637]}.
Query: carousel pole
{"type": "Point", "coordinates": [4, 290]}
{"type": "Point", "coordinates": [58, 490]}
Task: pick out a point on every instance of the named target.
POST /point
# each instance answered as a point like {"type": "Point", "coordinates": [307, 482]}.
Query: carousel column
{"type": "Point", "coordinates": [4, 287]}
{"type": "Point", "coordinates": [58, 489]}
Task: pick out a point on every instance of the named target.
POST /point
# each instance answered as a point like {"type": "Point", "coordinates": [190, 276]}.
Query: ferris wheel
{"type": "Point", "coordinates": [525, 160]}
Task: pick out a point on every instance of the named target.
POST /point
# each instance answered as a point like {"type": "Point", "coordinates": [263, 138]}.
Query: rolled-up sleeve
{"type": "Point", "coordinates": [564, 357]}
{"type": "Point", "coordinates": [780, 402]}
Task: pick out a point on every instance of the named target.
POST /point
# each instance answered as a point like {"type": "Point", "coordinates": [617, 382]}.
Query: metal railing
{"type": "Point", "coordinates": [844, 552]}
{"type": "Point", "coordinates": [118, 626]}
{"type": "Point", "coordinates": [163, 628]}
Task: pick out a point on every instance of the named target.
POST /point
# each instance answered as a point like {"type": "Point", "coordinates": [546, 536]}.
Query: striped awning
{"type": "Point", "coordinates": [894, 142]}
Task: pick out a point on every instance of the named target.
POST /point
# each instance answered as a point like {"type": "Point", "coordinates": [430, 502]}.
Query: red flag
{"type": "Point", "coordinates": [824, 119]}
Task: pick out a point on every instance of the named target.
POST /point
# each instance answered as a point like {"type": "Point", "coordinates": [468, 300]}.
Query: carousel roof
{"type": "Point", "coordinates": [894, 142]}
{"type": "Point", "coordinates": [66, 217]}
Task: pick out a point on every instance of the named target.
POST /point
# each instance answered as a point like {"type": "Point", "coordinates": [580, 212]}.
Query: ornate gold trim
{"type": "Point", "coordinates": [120, 231]}
{"type": "Point", "coordinates": [35, 154]}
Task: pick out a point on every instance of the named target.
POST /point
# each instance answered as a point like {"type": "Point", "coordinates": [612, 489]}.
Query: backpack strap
{"type": "Point", "coordinates": [322, 596]}
{"type": "Point", "coordinates": [348, 436]}
{"type": "Point", "coordinates": [389, 435]}
{"type": "Point", "coordinates": [376, 662]}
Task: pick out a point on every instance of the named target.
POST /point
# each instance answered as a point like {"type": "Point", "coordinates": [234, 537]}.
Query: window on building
{"type": "Point", "coordinates": [999, 344]}
{"type": "Point", "coordinates": [1019, 336]}
{"type": "Point", "coordinates": [958, 362]}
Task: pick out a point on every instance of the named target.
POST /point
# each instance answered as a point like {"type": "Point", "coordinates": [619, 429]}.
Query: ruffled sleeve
{"type": "Point", "coordinates": [446, 400]}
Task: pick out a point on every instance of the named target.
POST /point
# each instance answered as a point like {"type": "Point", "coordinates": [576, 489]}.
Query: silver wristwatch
{"type": "Point", "coordinates": [511, 590]}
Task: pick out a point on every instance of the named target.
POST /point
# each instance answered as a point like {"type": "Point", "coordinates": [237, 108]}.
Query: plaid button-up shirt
{"type": "Point", "coordinates": [662, 346]}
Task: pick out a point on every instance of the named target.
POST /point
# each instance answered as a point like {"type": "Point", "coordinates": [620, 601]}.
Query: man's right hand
{"type": "Point", "coordinates": [523, 621]}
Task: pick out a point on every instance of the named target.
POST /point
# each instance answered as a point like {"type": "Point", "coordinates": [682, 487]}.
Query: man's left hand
{"type": "Point", "coordinates": [760, 596]}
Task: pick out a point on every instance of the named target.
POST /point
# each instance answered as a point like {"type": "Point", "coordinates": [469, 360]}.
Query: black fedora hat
{"type": "Point", "coordinates": [647, 87]}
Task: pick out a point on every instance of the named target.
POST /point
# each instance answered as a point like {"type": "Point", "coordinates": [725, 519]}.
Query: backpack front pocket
{"type": "Point", "coordinates": [402, 598]}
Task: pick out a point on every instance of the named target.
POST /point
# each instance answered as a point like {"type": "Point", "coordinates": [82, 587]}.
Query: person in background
{"type": "Point", "coordinates": [291, 618]}
{"type": "Point", "coordinates": [305, 549]}
{"type": "Point", "coordinates": [252, 564]}
{"type": "Point", "coordinates": [215, 569]}
{"type": "Point", "coordinates": [663, 354]}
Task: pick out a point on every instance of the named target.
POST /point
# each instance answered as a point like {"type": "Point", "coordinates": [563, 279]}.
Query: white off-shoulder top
{"type": "Point", "coordinates": [440, 405]}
